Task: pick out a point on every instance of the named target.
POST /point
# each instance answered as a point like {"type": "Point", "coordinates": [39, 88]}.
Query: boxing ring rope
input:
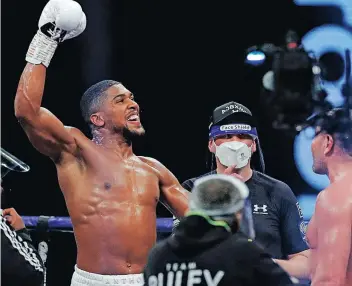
{"type": "Point", "coordinates": [63, 223]}
{"type": "Point", "coordinates": [43, 224]}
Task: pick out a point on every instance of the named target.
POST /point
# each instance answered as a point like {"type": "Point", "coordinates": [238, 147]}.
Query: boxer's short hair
{"type": "Point", "coordinates": [93, 98]}
{"type": "Point", "coordinates": [341, 132]}
{"type": "Point", "coordinates": [344, 141]}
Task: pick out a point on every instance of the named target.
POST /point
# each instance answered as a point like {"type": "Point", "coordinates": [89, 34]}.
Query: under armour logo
{"type": "Point", "coordinates": [260, 210]}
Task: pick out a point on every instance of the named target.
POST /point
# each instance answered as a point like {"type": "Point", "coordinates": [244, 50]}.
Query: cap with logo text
{"type": "Point", "coordinates": [232, 118]}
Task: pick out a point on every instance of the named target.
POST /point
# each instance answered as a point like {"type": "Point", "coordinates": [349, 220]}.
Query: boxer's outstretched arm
{"type": "Point", "coordinates": [334, 243]}
{"type": "Point", "coordinates": [47, 134]}
{"type": "Point", "coordinates": [173, 196]}
{"type": "Point", "coordinates": [297, 264]}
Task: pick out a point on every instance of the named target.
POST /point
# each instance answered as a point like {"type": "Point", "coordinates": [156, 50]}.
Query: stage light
{"type": "Point", "coordinates": [255, 58]}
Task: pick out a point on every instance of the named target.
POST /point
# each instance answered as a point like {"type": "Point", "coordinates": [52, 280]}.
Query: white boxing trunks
{"type": "Point", "coordinates": [84, 278]}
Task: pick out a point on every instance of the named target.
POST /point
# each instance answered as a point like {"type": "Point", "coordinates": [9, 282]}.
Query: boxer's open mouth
{"type": "Point", "coordinates": [134, 117]}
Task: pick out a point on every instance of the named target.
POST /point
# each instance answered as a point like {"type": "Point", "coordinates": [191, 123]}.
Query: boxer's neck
{"type": "Point", "coordinates": [339, 168]}
{"type": "Point", "coordinates": [115, 142]}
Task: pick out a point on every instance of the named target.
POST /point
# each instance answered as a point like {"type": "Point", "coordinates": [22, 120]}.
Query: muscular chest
{"type": "Point", "coordinates": [125, 182]}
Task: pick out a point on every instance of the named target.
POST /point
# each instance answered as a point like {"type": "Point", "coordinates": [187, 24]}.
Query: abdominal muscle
{"type": "Point", "coordinates": [117, 243]}
{"type": "Point", "coordinates": [112, 205]}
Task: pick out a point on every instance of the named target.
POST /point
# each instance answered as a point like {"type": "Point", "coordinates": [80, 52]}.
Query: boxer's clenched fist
{"type": "Point", "coordinates": [60, 20]}
{"type": "Point", "coordinates": [64, 18]}
{"type": "Point", "coordinates": [13, 218]}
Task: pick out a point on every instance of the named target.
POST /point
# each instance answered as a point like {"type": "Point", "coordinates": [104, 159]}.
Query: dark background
{"type": "Point", "coordinates": [179, 58]}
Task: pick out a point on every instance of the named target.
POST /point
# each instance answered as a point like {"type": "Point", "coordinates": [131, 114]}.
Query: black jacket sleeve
{"type": "Point", "coordinates": [258, 267]}
{"type": "Point", "coordinates": [266, 271]}
{"type": "Point", "coordinates": [270, 272]}
{"type": "Point", "coordinates": [20, 261]}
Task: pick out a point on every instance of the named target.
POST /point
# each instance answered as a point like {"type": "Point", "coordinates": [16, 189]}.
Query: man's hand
{"type": "Point", "coordinates": [231, 171]}
{"type": "Point", "coordinates": [13, 218]}
{"type": "Point", "coordinates": [297, 264]}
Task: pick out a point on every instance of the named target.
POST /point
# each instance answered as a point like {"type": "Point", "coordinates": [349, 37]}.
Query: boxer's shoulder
{"type": "Point", "coordinates": [153, 163]}
{"type": "Point", "coordinates": [334, 197]}
{"type": "Point", "coordinates": [76, 133]}
{"type": "Point", "coordinates": [81, 139]}
{"type": "Point", "coordinates": [150, 161]}
{"type": "Point", "coordinates": [325, 197]}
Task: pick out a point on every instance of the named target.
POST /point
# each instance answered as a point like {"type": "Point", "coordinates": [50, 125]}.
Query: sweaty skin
{"type": "Point", "coordinates": [111, 194]}
{"type": "Point", "coordinates": [329, 235]}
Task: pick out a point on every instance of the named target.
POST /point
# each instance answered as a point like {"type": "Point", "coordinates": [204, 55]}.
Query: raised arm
{"type": "Point", "coordinates": [173, 196]}
{"type": "Point", "coordinates": [47, 134]}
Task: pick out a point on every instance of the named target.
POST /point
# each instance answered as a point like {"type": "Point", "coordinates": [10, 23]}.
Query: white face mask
{"type": "Point", "coordinates": [233, 153]}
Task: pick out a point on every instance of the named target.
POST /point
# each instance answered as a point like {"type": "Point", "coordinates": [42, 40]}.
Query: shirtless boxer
{"type": "Point", "coordinates": [329, 231]}
{"type": "Point", "coordinates": [111, 194]}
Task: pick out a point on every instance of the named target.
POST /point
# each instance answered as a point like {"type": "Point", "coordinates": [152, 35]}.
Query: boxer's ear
{"type": "Point", "coordinates": [329, 144]}
{"type": "Point", "coordinates": [97, 119]}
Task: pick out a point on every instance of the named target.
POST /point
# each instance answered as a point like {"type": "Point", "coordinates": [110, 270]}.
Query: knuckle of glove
{"type": "Point", "coordinates": [79, 29]}
{"type": "Point", "coordinates": [60, 20]}
{"type": "Point", "coordinates": [66, 15]}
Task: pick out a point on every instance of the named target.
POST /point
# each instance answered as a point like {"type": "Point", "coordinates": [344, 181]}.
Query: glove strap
{"type": "Point", "coordinates": [41, 50]}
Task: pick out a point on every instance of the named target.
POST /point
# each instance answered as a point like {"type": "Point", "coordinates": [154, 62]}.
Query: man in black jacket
{"type": "Point", "coordinates": [21, 264]}
{"type": "Point", "coordinates": [206, 248]}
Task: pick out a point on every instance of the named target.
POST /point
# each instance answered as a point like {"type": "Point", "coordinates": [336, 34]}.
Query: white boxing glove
{"type": "Point", "coordinates": [60, 20]}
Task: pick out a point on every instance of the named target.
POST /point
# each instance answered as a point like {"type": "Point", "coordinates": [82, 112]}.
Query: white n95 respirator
{"type": "Point", "coordinates": [233, 154]}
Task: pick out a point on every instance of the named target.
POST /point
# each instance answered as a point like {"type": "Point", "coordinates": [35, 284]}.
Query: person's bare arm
{"type": "Point", "coordinates": [334, 242]}
{"type": "Point", "coordinates": [297, 264]}
{"type": "Point", "coordinates": [45, 131]}
{"type": "Point", "coordinates": [173, 196]}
